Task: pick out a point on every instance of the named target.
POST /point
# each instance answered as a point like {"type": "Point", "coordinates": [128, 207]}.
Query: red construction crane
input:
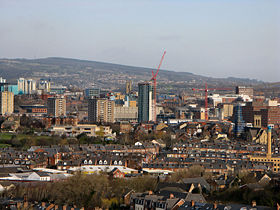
{"type": "Point", "coordinates": [154, 78]}
{"type": "Point", "coordinates": [206, 96]}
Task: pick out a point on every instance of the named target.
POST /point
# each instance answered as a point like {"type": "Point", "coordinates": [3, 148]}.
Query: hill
{"type": "Point", "coordinates": [83, 73]}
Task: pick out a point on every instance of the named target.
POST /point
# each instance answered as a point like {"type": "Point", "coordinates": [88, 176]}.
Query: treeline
{"type": "Point", "coordinates": [100, 190]}
{"type": "Point", "coordinates": [25, 141]}
{"type": "Point", "coordinates": [83, 190]}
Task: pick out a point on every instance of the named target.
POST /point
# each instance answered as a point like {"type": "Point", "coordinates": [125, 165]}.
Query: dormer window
{"type": "Point", "coordinates": [85, 161]}
{"type": "Point", "coordinates": [90, 162]}
{"type": "Point", "coordinates": [100, 162]}
{"type": "Point", "coordinates": [120, 162]}
{"type": "Point", "coordinates": [105, 162]}
{"type": "Point", "coordinates": [115, 162]}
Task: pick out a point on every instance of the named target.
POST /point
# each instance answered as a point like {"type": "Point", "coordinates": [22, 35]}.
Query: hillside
{"type": "Point", "coordinates": [83, 73]}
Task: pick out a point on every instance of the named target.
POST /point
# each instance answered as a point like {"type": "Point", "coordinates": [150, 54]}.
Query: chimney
{"type": "Point", "coordinates": [64, 207]}
{"type": "Point", "coordinates": [254, 203]}
{"type": "Point", "coordinates": [18, 205]}
{"type": "Point", "coordinates": [56, 207]}
{"type": "Point", "coordinates": [215, 205]}
{"type": "Point", "coordinates": [171, 196]}
{"type": "Point", "coordinates": [43, 204]}
{"type": "Point", "coordinates": [278, 206]}
{"type": "Point", "coordinates": [25, 204]}
{"type": "Point", "coordinates": [50, 207]}
{"type": "Point", "coordinates": [193, 203]}
{"type": "Point", "coordinates": [268, 142]}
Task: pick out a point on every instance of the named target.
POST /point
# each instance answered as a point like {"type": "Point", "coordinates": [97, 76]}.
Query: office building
{"type": "Point", "coordinates": [58, 89]}
{"type": "Point", "coordinates": [6, 103]}
{"type": "Point", "coordinates": [56, 106]}
{"type": "Point", "coordinates": [239, 123]}
{"type": "Point", "coordinates": [126, 114]}
{"type": "Point", "coordinates": [242, 90]}
{"type": "Point", "coordinates": [100, 110]}
{"type": "Point", "coordinates": [92, 92]}
{"type": "Point", "coordinates": [128, 87]}
{"type": "Point", "coordinates": [145, 102]}
{"type": "Point", "coordinates": [261, 113]}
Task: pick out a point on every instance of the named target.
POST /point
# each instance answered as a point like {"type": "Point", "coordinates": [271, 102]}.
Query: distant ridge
{"type": "Point", "coordinates": [82, 73]}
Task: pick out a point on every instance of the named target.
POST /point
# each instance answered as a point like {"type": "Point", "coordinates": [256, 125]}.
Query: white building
{"type": "Point", "coordinates": [26, 86]}
{"type": "Point", "coordinates": [2, 80]}
{"type": "Point", "coordinates": [44, 85]}
{"type": "Point", "coordinates": [89, 129]}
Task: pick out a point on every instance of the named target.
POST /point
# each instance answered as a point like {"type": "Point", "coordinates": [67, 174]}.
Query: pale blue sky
{"type": "Point", "coordinates": [218, 38]}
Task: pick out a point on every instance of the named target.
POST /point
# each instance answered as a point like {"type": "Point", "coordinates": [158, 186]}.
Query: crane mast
{"type": "Point", "coordinates": [154, 78]}
{"type": "Point", "coordinates": [206, 96]}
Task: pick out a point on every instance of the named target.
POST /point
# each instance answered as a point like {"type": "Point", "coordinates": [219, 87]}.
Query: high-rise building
{"type": "Point", "coordinates": [2, 80]}
{"type": "Point", "coordinates": [56, 106]}
{"type": "Point", "coordinates": [6, 102]}
{"type": "Point", "coordinates": [128, 87]}
{"type": "Point", "coordinates": [26, 86]}
{"type": "Point", "coordinates": [145, 102]}
{"type": "Point", "coordinates": [4, 87]}
{"type": "Point", "coordinates": [100, 110]}
{"type": "Point", "coordinates": [239, 123]}
{"type": "Point", "coordinates": [92, 92]}
{"type": "Point", "coordinates": [241, 90]}
{"type": "Point", "coordinates": [45, 85]}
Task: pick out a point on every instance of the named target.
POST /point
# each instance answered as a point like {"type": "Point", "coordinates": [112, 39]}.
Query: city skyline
{"type": "Point", "coordinates": [217, 38]}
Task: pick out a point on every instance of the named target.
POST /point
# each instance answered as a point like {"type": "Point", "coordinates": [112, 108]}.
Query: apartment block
{"type": "Point", "coordinates": [6, 103]}
{"type": "Point", "coordinates": [101, 110]}
{"type": "Point", "coordinates": [56, 106]}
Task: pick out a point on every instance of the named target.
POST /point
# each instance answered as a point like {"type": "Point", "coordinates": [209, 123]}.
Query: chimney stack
{"type": "Point", "coordinates": [215, 205]}
{"type": "Point", "coordinates": [193, 203]}
{"type": "Point", "coordinates": [268, 142]}
{"type": "Point", "coordinates": [254, 203]}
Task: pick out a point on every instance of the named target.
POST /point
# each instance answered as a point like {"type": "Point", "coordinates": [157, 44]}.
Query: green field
{"type": "Point", "coordinates": [24, 141]}
{"type": "Point", "coordinates": [4, 145]}
{"type": "Point", "coordinates": [6, 136]}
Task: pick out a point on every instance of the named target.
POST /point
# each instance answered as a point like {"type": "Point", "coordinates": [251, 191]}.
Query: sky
{"type": "Point", "coordinates": [217, 38]}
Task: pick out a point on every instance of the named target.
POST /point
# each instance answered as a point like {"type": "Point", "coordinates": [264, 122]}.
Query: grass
{"type": "Point", "coordinates": [6, 136]}
{"type": "Point", "coordinates": [4, 145]}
